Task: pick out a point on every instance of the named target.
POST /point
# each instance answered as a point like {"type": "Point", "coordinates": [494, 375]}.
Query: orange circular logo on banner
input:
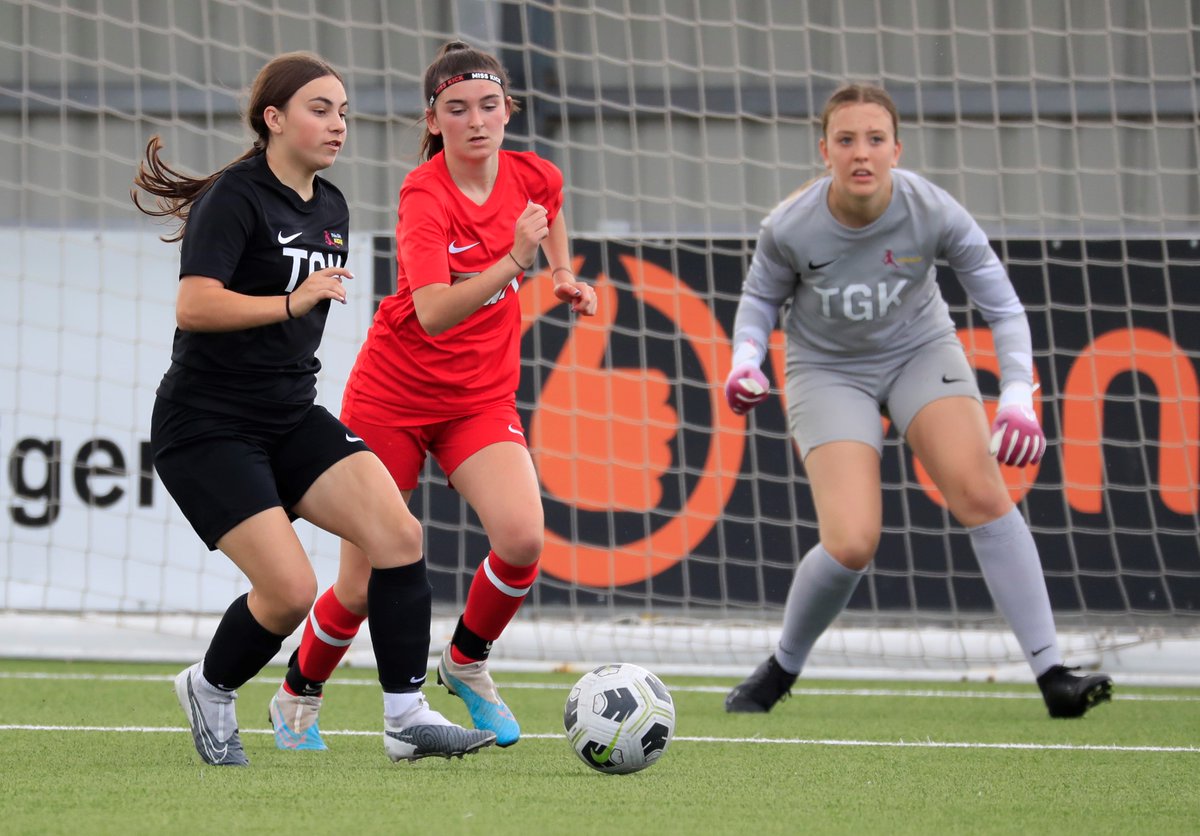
{"type": "Point", "coordinates": [981, 354]}
{"type": "Point", "coordinates": [601, 438]}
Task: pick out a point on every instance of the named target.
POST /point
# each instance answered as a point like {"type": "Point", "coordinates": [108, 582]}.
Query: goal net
{"type": "Point", "coordinates": [673, 527]}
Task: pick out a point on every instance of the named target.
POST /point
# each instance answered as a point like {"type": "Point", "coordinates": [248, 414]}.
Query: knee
{"type": "Point", "coordinates": [397, 543]}
{"type": "Point", "coordinates": [408, 537]}
{"type": "Point", "coordinates": [853, 549]}
{"type": "Point", "coordinates": [290, 602]}
{"type": "Point", "coordinates": [980, 503]}
{"type": "Point", "coordinates": [353, 596]}
{"type": "Point", "coordinates": [388, 538]}
{"type": "Point", "coordinates": [520, 546]}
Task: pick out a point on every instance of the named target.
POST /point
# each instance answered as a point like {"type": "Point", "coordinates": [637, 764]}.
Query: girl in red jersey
{"type": "Point", "coordinates": [439, 370]}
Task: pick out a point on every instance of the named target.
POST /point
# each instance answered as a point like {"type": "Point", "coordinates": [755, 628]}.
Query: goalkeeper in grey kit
{"type": "Point", "coordinates": [867, 328]}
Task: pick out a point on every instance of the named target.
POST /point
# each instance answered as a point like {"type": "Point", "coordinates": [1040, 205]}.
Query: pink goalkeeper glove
{"type": "Point", "coordinates": [1017, 439]}
{"type": "Point", "coordinates": [746, 387]}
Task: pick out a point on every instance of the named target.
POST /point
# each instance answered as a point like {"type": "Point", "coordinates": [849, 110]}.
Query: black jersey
{"type": "Point", "coordinates": [259, 238]}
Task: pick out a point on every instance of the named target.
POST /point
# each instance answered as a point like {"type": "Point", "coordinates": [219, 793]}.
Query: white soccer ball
{"type": "Point", "coordinates": [619, 718]}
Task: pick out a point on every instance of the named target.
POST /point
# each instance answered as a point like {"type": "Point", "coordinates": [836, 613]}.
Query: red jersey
{"type": "Point", "coordinates": [403, 376]}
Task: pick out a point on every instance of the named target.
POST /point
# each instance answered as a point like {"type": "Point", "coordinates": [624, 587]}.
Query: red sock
{"type": "Point", "coordinates": [327, 635]}
{"type": "Point", "coordinates": [496, 594]}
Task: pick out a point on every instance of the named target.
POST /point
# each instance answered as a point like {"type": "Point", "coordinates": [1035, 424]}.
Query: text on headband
{"type": "Point", "coordinates": [455, 79]}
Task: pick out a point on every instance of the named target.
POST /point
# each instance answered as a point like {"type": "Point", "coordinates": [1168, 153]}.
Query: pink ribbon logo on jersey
{"type": "Point", "coordinates": [889, 259]}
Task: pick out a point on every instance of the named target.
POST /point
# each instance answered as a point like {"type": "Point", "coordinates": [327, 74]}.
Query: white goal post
{"type": "Point", "coordinates": [673, 527]}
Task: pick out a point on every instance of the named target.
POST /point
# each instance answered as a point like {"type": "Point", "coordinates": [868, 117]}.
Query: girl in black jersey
{"type": "Point", "coordinates": [238, 440]}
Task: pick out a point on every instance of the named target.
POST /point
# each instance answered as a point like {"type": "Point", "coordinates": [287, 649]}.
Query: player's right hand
{"type": "Point", "coordinates": [745, 388]}
{"type": "Point", "coordinates": [530, 230]}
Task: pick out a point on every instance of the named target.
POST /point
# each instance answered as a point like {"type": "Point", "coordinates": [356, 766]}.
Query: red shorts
{"type": "Point", "coordinates": [402, 449]}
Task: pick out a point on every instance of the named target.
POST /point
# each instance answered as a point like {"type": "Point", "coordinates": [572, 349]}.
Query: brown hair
{"type": "Point", "coordinates": [175, 192]}
{"type": "Point", "coordinates": [860, 94]}
{"type": "Point", "coordinates": [455, 58]}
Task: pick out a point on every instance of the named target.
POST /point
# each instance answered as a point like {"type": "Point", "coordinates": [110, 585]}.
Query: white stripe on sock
{"type": "Point", "coordinates": [510, 591]}
{"type": "Point", "coordinates": [325, 637]}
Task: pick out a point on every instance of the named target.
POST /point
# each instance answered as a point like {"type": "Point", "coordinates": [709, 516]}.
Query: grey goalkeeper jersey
{"type": "Point", "coordinates": [871, 292]}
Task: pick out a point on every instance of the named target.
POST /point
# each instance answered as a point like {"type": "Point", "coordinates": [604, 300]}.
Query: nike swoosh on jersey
{"type": "Point", "coordinates": [456, 249]}
{"type": "Point", "coordinates": [812, 266]}
{"type": "Point", "coordinates": [287, 239]}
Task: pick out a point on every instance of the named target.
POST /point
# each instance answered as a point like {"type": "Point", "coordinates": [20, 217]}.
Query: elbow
{"type": "Point", "coordinates": [431, 325]}
{"type": "Point", "coordinates": [186, 320]}
{"type": "Point", "coordinates": [192, 318]}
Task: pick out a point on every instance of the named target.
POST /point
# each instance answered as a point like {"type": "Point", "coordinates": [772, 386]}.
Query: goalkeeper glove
{"type": "Point", "coordinates": [1017, 438]}
{"type": "Point", "coordinates": [745, 388]}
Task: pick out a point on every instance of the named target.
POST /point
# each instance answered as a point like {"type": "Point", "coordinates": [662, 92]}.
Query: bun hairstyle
{"type": "Point", "coordinates": [456, 58]}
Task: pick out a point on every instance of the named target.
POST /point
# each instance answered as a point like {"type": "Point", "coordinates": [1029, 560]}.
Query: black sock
{"type": "Point", "coordinates": [470, 644]}
{"type": "Point", "coordinates": [399, 609]}
{"type": "Point", "coordinates": [240, 648]}
{"type": "Point", "coordinates": [298, 683]}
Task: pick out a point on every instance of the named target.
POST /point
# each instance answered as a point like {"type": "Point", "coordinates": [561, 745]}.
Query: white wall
{"type": "Point", "coordinates": [87, 324]}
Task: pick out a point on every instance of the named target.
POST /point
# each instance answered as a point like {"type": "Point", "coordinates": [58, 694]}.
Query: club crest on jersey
{"type": "Point", "coordinates": [890, 259]}
{"type": "Point", "coordinates": [334, 239]}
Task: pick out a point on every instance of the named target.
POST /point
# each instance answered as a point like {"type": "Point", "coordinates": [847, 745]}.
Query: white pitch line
{"type": "Point", "coordinates": [768, 741]}
{"type": "Point", "coordinates": [690, 689]}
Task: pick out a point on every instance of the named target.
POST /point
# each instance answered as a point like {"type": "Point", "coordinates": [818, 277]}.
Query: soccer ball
{"type": "Point", "coordinates": [619, 718]}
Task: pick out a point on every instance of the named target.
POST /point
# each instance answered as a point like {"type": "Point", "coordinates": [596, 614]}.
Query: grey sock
{"type": "Point", "coordinates": [820, 590]}
{"type": "Point", "coordinates": [1012, 569]}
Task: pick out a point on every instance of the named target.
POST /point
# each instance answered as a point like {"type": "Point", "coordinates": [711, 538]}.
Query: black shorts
{"type": "Point", "coordinates": [222, 469]}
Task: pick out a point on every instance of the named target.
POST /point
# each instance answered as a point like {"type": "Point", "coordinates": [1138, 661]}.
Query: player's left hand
{"type": "Point", "coordinates": [581, 296]}
{"type": "Point", "coordinates": [1017, 438]}
{"type": "Point", "coordinates": [325, 283]}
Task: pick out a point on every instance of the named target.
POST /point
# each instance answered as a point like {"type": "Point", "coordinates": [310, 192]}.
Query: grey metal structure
{"type": "Point", "coordinates": [674, 117]}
